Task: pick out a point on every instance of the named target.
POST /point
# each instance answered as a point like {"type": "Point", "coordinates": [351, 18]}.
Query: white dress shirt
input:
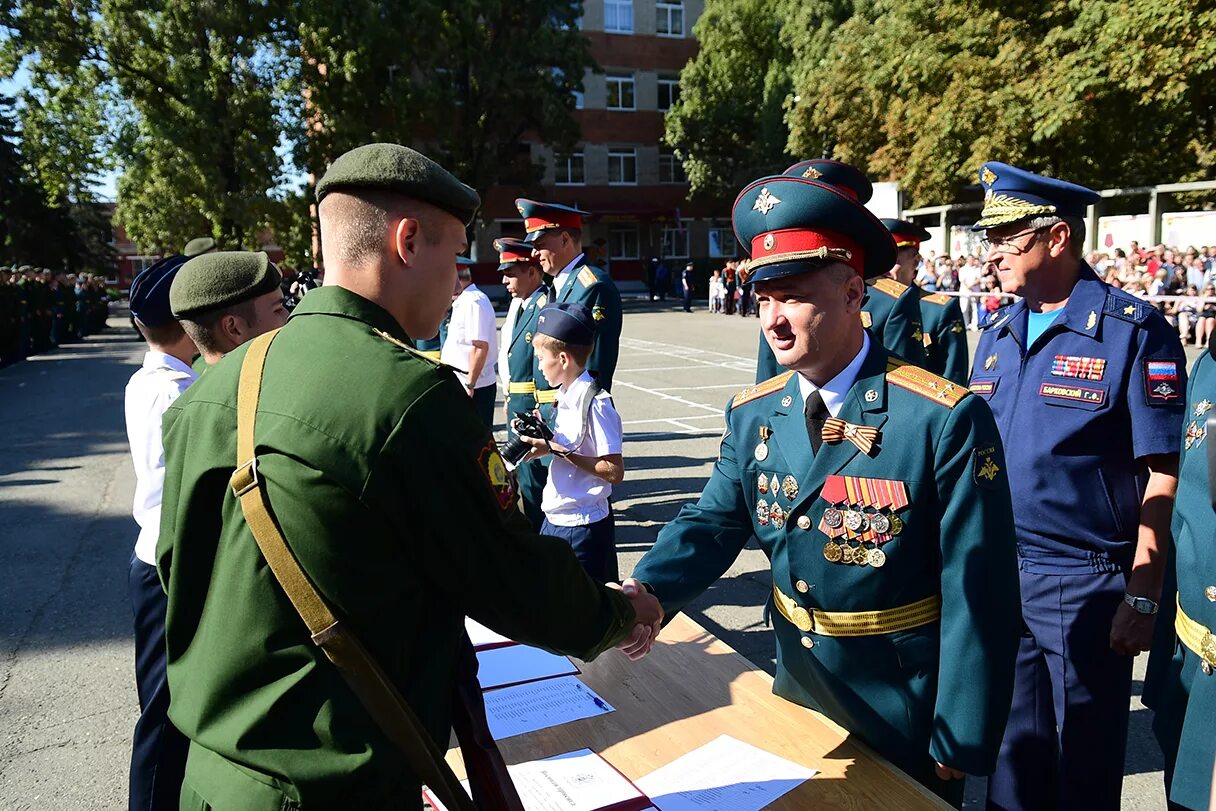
{"type": "Point", "coordinates": [572, 496]}
{"type": "Point", "coordinates": [560, 279]}
{"type": "Point", "coordinates": [835, 390]}
{"type": "Point", "coordinates": [150, 392]}
{"type": "Point", "coordinates": [472, 320]}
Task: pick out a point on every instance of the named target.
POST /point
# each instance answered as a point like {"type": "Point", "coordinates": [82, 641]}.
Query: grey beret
{"type": "Point", "coordinates": [198, 246]}
{"type": "Point", "coordinates": [396, 168]}
{"type": "Point", "coordinates": [217, 280]}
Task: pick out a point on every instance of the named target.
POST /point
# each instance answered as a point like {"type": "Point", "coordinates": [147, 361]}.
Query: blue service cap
{"type": "Point", "coordinates": [1012, 194]}
{"type": "Point", "coordinates": [791, 225]}
{"type": "Point", "coordinates": [540, 217]}
{"type": "Point", "coordinates": [149, 294]}
{"type": "Point", "coordinates": [568, 322]}
{"type": "Point", "coordinates": [834, 173]}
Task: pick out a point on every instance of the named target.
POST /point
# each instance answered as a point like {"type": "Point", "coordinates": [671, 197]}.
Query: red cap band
{"type": "Point", "coordinates": [558, 220]}
{"type": "Point", "coordinates": [793, 245]}
{"type": "Point", "coordinates": [514, 256]}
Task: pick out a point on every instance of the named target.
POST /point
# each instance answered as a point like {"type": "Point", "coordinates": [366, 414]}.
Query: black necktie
{"type": "Point", "coordinates": [816, 416]}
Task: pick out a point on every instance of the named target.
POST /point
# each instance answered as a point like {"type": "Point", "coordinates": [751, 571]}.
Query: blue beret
{"type": "Point", "coordinates": [567, 322]}
{"type": "Point", "coordinates": [834, 173]}
{"type": "Point", "coordinates": [540, 217]}
{"type": "Point", "coordinates": [790, 225]}
{"type": "Point", "coordinates": [907, 234]}
{"type": "Point", "coordinates": [149, 295]}
{"type": "Point", "coordinates": [1012, 194]}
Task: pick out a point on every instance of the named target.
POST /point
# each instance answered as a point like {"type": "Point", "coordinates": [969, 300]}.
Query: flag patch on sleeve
{"type": "Point", "coordinates": [1161, 384]}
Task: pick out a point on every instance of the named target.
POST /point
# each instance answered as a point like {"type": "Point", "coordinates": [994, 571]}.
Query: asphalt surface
{"type": "Point", "coordinates": [67, 696]}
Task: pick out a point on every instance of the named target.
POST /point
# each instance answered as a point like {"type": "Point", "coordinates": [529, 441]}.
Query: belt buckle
{"type": "Point", "coordinates": [802, 619]}
{"type": "Point", "coordinates": [244, 478]}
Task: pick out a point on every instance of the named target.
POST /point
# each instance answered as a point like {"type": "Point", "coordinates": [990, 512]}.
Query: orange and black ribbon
{"type": "Point", "coordinates": [863, 436]}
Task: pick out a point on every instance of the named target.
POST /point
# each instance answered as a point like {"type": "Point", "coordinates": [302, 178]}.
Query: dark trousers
{"type": "Point", "coordinates": [483, 402]}
{"type": "Point", "coordinates": [1067, 734]}
{"type": "Point", "coordinates": [594, 545]}
{"type": "Point", "coordinates": [158, 750]}
{"type": "Point", "coordinates": [687, 301]}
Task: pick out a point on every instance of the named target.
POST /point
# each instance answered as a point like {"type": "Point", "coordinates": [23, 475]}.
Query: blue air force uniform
{"type": "Point", "coordinates": [587, 284]}
{"type": "Point", "coordinates": [892, 550]}
{"type": "Point", "coordinates": [1079, 407]}
{"type": "Point", "coordinates": [1181, 681]}
{"type": "Point", "coordinates": [526, 386]}
{"type": "Point", "coordinates": [891, 310]}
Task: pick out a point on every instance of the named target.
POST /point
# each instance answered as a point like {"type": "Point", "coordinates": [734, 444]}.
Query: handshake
{"type": "Point", "coordinates": [648, 615]}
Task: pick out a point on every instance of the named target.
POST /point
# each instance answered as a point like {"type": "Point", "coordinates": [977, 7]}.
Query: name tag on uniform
{"type": "Point", "coordinates": [1074, 392]}
{"type": "Point", "coordinates": [985, 386]}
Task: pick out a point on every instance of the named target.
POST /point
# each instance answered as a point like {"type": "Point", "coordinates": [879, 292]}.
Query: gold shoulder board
{"type": "Point", "coordinates": [926, 384]}
{"type": "Point", "coordinates": [938, 298]}
{"type": "Point", "coordinates": [761, 389]}
{"type": "Point", "coordinates": [587, 276]}
{"type": "Point", "coordinates": [891, 287]}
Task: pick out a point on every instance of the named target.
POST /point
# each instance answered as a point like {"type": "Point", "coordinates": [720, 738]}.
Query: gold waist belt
{"type": "Point", "coordinates": [1198, 638]}
{"type": "Point", "coordinates": [858, 623]}
{"type": "Point", "coordinates": [547, 396]}
{"type": "Point", "coordinates": [521, 388]}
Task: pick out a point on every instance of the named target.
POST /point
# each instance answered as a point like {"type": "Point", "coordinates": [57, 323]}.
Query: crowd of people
{"type": "Point", "coordinates": [41, 309]}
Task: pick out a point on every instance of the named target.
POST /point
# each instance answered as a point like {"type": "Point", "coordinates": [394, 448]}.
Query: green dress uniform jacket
{"type": "Point", "coordinates": [392, 496]}
{"type": "Point", "coordinates": [891, 314]}
{"type": "Point", "coordinates": [945, 337]}
{"type": "Point", "coordinates": [940, 689]}
{"type": "Point", "coordinates": [526, 389]}
{"type": "Point", "coordinates": [1181, 681]}
{"type": "Point", "coordinates": [591, 286]}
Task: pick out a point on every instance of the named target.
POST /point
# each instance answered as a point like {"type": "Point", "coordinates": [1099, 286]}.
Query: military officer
{"type": "Point", "coordinates": [523, 384]}
{"type": "Point", "coordinates": [878, 491]}
{"type": "Point", "coordinates": [395, 503]}
{"type": "Point", "coordinates": [891, 310]}
{"type": "Point", "coordinates": [1087, 386]}
{"type": "Point", "coordinates": [941, 318]}
{"type": "Point", "coordinates": [555, 233]}
{"type": "Point", "coordinates": [1181, 681]}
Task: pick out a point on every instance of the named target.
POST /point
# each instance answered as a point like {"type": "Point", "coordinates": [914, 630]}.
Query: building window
{"type": "Point", "coordinates": [623, 242]}
{"type": "Point", "coordinates": [674, 240]}
{"type": "Point", "coordinates": [669, 19]}
{"type": "Point", "coordinates": [622, 167]}
{"type": "Point", "coordinates": [671, 170]}
{"type": "Point", "coordinates": [669, 93]}
{"type": "Point", "coordinates": [620, 91]}
{"type": "Point", "coordinates": [568, 169]}
{"type": "Point", "coordinates": [722, 243]}
{"type": "Point", "coordinates": [618, 16]}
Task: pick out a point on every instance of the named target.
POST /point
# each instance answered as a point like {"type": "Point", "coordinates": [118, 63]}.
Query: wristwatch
{"type": "Point", "coordinates": [1142, 605]}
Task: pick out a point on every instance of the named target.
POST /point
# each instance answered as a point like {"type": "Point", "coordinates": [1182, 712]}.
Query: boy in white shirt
{"type": "Point", "coordinates": [586, 444]}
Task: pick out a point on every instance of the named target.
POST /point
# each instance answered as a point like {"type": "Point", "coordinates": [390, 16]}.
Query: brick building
{"type": "Point", "coordinates": [619, 171]}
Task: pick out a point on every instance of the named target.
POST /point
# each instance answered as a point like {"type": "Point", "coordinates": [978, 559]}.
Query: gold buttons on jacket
{"type": "Point", "coordinates": [804, 522]}
{"type": "Point", "coordinates": [1210, 593]}
{"type": "Point", "coordinates": [807, 642]}
{"type": "Point", "coordinates": [802, 587]}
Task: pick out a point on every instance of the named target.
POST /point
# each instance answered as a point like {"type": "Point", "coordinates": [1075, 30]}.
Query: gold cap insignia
{"type": "Point", "coordinates": [769, 242]}
{"type": "Point", "coordinates": [812, 173]}
{"type": "Point", "coordinates": [988, 176]}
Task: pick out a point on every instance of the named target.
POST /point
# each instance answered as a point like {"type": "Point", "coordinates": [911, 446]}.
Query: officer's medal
{"type": "Point", "coordinates": [761, 452]}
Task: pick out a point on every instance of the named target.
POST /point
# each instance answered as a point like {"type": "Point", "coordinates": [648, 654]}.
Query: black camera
{"type": "Point", "coordinates": [525, 423]}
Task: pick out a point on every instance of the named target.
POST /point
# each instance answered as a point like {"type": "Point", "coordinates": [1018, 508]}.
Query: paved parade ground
{"type": "Point", "coordinates": [67, 694]}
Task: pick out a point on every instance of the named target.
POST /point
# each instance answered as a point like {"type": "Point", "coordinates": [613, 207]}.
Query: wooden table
{"type": "Point", "coordinates": [692, 688]}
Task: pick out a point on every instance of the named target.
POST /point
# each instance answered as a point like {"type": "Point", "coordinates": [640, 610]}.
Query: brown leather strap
{"type": "Point", "coordinates": [372, 686]}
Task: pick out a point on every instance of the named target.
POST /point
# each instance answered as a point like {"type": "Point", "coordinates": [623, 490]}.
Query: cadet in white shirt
{"type": "Point", "coordinates": [471, 342]}
{"type": "Point", "coordinates": [586, 443]}
{"type": "Point", "coordinates": [158, 750]}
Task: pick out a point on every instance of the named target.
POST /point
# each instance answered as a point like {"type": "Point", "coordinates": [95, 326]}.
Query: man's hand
{"type": "Point", "coordinates": [648, 614]}
{"type": "Point", "coordinates": [944, 772]}
{"type": "Point", "coordinates": [1131, 632]}
{"type": "Point", "coordinates": [539, 447]}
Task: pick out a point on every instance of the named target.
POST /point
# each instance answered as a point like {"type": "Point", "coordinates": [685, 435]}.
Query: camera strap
{"type": "Point", "coordinates": [383, 702]}
{"type": "Point", "coordinates": [583, 407]}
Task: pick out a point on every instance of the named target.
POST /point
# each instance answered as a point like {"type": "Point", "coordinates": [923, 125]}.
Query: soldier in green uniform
{"type": "Point", "coordinates": [891, 310]}
{"type": "Point", "coordinates": [1181, 682]}
{"type": "Point", "coordinates": [877, 490]}
{"type": "Point", "coordinates": [522, 381]}
{"type": "Point", "coordinates": [941, 318]}
{"type": "Point", "coordinates": [556, 235]}
{"type": "Point", "coordinates": [394, 501]}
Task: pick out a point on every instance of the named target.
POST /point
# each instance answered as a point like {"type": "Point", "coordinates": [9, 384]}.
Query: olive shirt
{"type": "Point", "coordinates": [393, 497]}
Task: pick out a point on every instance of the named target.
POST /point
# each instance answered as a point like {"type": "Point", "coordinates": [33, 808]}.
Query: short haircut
{"type": "Point", "coordinates": [576, 234]}
{"type": "Point", "coordinates": [355, 222]}
{"type": "Point", "coordinates": [579, 354]}
{"type": "Point", "coordinates": [1076, 231]}
{"type": "Point", "coordinates": [203, 328]}
{"type": "Point", "coordinates": [161, 334]}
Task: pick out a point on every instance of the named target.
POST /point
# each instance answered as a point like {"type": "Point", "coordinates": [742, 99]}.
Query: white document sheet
{"type": "Point", "coordinates": [518, 664]}
{"type": "Point", "coordinates": [723, 775]}
{"type": "Point", "coordinates": [482, 637]}
{"type": "Point", "coordinates": [541, 704]}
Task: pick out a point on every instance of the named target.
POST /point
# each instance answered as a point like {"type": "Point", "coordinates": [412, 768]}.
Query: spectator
{"type": "Point", "coordinates": [471, 342]}
{"type": "Point", "coordinates": [662, 281]}
{"type": "Point", "coordinates": [1186, 312]}
{"type": "Point", "coordinates": [686, 287]}
{"type": "Point", "coordinates": [716, 292]}
{"type": "Point", "coordinates": [1205, 324]}
{"type": "Point", "coordinates": [730, 285]}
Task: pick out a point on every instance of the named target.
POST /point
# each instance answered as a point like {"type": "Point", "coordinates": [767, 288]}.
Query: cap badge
{"type": "Point", "coordinates": [988, 176]}
{"type": "Point", "coordinates": [769, 242]}
{"type": "Point", "coordinates": [812, 173]}
{"type": "Point", "coordinates": [766, 201]}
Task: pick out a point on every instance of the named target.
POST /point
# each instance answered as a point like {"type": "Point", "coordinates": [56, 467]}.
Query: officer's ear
{"type": "Point", "coordinates": [1058, 237]}
{"type": "Point", "coordinates": [406, 234]}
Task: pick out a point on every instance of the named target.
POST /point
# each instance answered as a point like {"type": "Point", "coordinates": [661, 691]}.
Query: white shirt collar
{"type": "Point", "coordinates": [835, 390]}
{"type": "Point", "coordinates": [581, 382]}
{"type": "Point", "coordinates": [159, 360]}
{"type": "Point", "coordinates": [560, 279]}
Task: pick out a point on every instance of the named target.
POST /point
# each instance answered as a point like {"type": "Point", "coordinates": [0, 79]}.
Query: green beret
{"type": "Point", "coordinates": [198, 246]}
{"type": "Point", "coordinates": [217, 280]}
{"type": "Point", "coordinates": [396, 168]}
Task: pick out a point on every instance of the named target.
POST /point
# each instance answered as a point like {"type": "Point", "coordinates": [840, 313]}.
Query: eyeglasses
{"type": "Point", "coordinates": [1005, 244]}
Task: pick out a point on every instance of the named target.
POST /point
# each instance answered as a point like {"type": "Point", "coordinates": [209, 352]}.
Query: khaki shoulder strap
{"type": "Point", "coordinates": [378, 695]}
